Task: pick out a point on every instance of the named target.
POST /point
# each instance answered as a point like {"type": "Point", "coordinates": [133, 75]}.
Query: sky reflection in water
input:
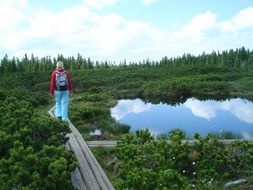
{"type": "Point", "coordinates": [193, 116]}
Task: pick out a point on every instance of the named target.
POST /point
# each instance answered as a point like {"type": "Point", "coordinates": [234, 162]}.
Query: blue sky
{"type": "Point", "coordinates": [124, 29]}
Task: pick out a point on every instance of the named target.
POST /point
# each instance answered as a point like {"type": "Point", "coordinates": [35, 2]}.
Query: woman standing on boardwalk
{"type": "Point", "coordinates": [60, 87]}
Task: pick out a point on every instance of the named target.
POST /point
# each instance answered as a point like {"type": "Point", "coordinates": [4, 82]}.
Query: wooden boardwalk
{"type": "Point", "coordinates": [89, 175]}
{"type": "Point", "coordinates": [107, 144]}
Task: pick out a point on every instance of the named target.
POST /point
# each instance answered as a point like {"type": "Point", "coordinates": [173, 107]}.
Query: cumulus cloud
{"type": "Point", "coordinates": [198, 26]}
{"type": "Point", "coordinates": [206, 33]}
{"type": "Point", "coordinates": [75, 29]}
{"type": "Point", "coordinates": [241, 21]}
{"type": "Point", "coordinates": [13, 20]}
{"type": "Point", "coordinates": [111, 36]}
{"type": "Point", "coordinates": [125, 107]}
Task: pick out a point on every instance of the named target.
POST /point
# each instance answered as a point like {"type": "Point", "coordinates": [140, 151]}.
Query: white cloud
{"type": "Point", "coordinates": [206, 33]}
{"type": "Point", "coordinates": [148, 2]}
{"type": "Point", "coordinates": [198, 26]}
{"type": "Point", "coordinates": [241, 21]}
{"type": "Point", "coordinates": [13, 20]}
{"type": "Point", "coordinates": [125, 107]}
{"type": "Point", "coordinates": [76, 29]}
{"type": "Point", "coordinates": [111, 36]}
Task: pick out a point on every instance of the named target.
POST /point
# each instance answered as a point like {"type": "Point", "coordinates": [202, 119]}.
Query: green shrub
{"type": "Point", "coordinates": [145, 163]}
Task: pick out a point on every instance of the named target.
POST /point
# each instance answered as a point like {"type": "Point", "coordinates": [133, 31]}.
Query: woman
{"type": "Point", "coordinates": [60, 87]}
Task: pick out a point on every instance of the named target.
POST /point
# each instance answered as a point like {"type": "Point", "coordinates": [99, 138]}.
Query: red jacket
{"type": "Point", "coordinates": [52, 83]}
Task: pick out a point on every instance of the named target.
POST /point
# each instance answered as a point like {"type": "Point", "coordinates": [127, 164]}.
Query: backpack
{"type": "Point", "coordinates": [61, 81]}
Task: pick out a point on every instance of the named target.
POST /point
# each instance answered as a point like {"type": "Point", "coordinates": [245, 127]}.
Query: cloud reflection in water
{"type": "Point", "coordinates": [193, 116]}
{"type": "Point", "coordinates": [240, 108]}
{"type": "Point", "coordinates": [125, 107]}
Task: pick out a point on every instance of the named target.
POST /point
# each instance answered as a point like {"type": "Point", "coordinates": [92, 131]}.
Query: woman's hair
{"type": "Point", "coordinates": [59, 64]}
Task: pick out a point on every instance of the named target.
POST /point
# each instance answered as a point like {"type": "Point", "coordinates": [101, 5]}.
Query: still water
{"type": "Point", "coordinates": [193, 116]}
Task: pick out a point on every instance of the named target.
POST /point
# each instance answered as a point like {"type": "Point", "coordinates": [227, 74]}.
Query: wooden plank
{"type": "Point", "coordinates": [99, 174]}
{"type": "Point", "coordinates": [84, 166]}
{"type": "Point", "coordinates": [77, 180]}
{"type": "Point", "coordinates": [102, 143]}
{"type": "Point", "coordinates": [114, 143]}
{"type": "Point", "coordinates": [87, 176]}
{"type": "Point", "coordinates": [101, 177]}
{"type": "Point", "coordinates": [234, 183]}
{"type": "Point", "coordinates": [76, 177]}
{"type": "Point", "coordinates": [73, 129]}
{"type": "Point", "coordinates": [50, 112]}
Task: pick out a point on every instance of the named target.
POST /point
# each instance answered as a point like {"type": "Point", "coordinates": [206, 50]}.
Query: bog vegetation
{"type": "Point", "coordinates": [144, 163]}
{"type": "Point", "coordinates": [32, 155]}
{"type": "Point", "coordinates": [32, 152]}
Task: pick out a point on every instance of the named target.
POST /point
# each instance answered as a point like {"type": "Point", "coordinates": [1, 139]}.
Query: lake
{"type": "Point", "coordinates": [193, 116]}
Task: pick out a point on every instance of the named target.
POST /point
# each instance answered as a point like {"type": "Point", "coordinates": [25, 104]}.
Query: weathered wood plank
{"type": "Point", "coordinates": [101, 177]}
{"type": "Point", "coordinates": [76, 177]}
{"type": "Point", "coordinates": [101, 143]}
{"type": "Point", "coordinates": [73, 129]}
{"type": "Point", "coordinates": [50, 112]}
{"type": "Point", "coordinates": [77, 180]}
{"type": "Point", "coordinates": [90, 170]}
{"type": "Point", "coordinates": [114, 143]}
{"type": "Point", "coordinates": [99, 174]}
{"type": "Point", "coordinates": [84, 167]}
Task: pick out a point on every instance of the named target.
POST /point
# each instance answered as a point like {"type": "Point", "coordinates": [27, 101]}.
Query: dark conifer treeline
{"type": "Point", "coordinates": [232, 58]}
{"type": "Point", "coordinates": [239, 58]}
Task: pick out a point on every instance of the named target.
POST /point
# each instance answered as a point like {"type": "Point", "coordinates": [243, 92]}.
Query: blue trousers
{"type": "Point", "coordinates": [61, 104]}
